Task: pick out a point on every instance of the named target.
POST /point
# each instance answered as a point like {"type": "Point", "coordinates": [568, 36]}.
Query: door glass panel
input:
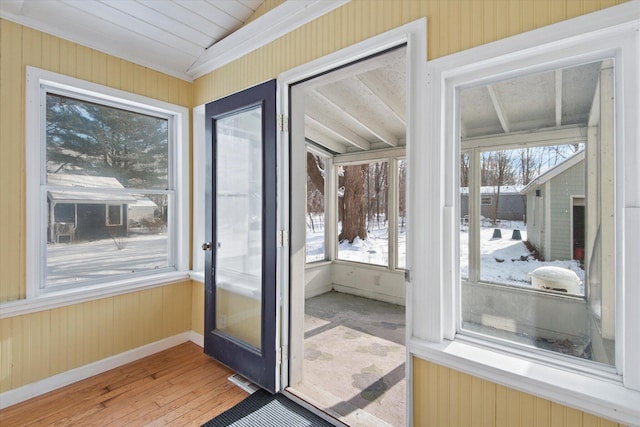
{"type": "Point", "coordinates": [238, 261]}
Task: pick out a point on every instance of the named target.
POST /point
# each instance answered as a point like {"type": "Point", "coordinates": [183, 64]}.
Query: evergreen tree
{"type": "Point", "coordinates": [84, 138]}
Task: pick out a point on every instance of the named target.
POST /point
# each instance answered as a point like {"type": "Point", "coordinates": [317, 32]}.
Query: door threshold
{"type": "Point", "coordinates": [306, 403]}
{"type": "Point", "coordinates": [359, 418]}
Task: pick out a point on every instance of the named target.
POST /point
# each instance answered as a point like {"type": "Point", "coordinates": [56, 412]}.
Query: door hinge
{"type": "Point", "coordinates": [283, 238]}
{"type": "Point", "coordinates": [283, 123]}
{"type": "Point", "coordinates": [283, 354]}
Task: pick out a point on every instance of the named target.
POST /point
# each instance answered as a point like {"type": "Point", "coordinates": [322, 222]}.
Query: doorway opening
{"type": "Point", "coordinates": [347, 311]}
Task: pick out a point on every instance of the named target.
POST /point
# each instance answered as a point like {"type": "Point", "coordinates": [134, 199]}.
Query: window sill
{"type": "Point", "coordinates": [604, 397]}
{"type": "Point", "coordinates": [51, 300]}
{"type": "Point", "coordinates": [197, 276]}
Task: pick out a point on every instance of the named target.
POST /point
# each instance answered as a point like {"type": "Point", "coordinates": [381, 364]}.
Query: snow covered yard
{"type": "Point", "coordinates": [503, 260]}
{"type": "Point", "coordinates": [80, 261]}
{"type": "Point", "coordinates": [507, 261]}
{"type": "Point", "coordinates": [372, 250]}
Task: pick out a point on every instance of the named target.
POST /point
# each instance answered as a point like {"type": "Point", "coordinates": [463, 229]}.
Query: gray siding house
{"type": "Point", "coordinates": [555, 210]}
{"type": "Point", "coordinates": [510, 205]}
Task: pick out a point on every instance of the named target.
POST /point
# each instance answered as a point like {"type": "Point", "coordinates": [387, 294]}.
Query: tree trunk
{"type": "Point", "coordinates": [314, 173]}
{"type": "Point", "coordinates": [354, 217]}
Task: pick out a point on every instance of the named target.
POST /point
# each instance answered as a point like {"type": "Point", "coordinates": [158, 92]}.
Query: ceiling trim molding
{"type": "Point", "coordinates": [277, 22]}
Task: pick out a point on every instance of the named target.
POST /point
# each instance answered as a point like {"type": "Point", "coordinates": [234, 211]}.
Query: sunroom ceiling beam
{"type": "Point", "coordinates": [497, 105]}
{"type": "Point", "coordinates": [541, 137]}
{"type": "Point", "coordinates": [321, 139]}
{"type": "Point", "coordinates": [385, 97]}
{"type": "Point", "coordinates": [340, 132]}
{"type": "Point", "coordinates": [380, 133]}
{"type": "Point", "coordinates": [558, 97]}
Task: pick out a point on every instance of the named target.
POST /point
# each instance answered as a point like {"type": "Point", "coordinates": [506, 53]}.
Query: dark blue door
{"type": "Point", "coordinates": [240, 265]}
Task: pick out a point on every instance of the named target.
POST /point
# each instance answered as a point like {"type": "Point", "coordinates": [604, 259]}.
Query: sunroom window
{"type": "Point", "coordinates": [536, 210]}
{"type": "Point", "coordinates": [363, 227]}
{"type": "Point", "coordinates": [109, 187]}
{"type": "Point", "coordinates": [316, 241]}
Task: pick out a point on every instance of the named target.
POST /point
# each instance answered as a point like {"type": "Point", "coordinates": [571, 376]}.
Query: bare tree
{"type": "Point", "coordinates": [465, 159]}
{"type": "Point", "coordinates": [352, 203]}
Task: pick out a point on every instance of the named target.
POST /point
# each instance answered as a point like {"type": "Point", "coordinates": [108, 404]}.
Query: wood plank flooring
{"type": "Point", "coordinates": [177, 387]}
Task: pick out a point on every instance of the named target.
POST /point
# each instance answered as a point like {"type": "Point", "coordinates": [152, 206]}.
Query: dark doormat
{"type": "Point", "coordinates": [266, 410]}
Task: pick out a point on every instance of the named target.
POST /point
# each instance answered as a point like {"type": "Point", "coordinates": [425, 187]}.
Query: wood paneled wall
{"type": "Point", "coordinates": [445, 397]}
{"type": "Point", "coordinates": [38, 345]}
{"type": "Point", "coordinates": [453, 25]}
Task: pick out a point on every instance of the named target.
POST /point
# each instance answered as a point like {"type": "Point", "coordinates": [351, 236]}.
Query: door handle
{"type": "Point", "coordinates": [207, 246]}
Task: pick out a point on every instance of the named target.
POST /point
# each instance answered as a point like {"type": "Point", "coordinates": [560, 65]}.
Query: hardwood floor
{"type": "Point", "coordinates": [180, 387]}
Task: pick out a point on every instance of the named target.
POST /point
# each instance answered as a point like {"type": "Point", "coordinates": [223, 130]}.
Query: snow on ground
{"type": "Point", "coordinates": [501, 259]}
{"type": "Point", "coordinates": [80, 261]}
{"type": "Point", "coordinates": [373, 250]}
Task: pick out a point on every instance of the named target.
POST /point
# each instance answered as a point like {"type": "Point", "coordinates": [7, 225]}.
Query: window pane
{"type": "Point", "coordinates": [532, 211]}
{"type": "Point", "coordinates": [94, 140]}
{"type": "Point", "coordinates": [402, 212]}
{"type": "Point", "coordinates": [363, 233]}
{"type": "Point", "coordinates": [315, 243]}
{"type": "Point", "coordinates": [239, 227]}
{"type": "Point", "coordinates": [84, 244]}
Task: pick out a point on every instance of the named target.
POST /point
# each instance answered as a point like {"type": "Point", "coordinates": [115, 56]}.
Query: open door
{"type": "Point", "coordinates": [240, 224]}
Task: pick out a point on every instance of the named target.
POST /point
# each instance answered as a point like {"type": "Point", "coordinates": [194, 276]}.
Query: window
{"type": "Point", "coordinates": [486, 200]}
{"type": "Point", "coordinates": [363, 228]}
{"type": "Point", "coordinates": [367, 209]}
{"type": "Point", "coordinates": [402, 213]}
{"type": "Point", "coordinates": [107, 201]}
{"type": "Point", "coordinates": [567, 156]}
{"type": "Point", "coordinates": [114, 215]}
{"type": "Point", "coordinates": [316, 236]}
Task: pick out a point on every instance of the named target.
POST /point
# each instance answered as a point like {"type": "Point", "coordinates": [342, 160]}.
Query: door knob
{"type": "Point", "coordinates": [207, 246]}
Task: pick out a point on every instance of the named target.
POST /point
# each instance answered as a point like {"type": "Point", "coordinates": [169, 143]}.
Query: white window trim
{"type": "Point", "coordinates": [199, 177]}
{"type": "Point", "coordinates": [613, 31]}
{"type": "Point", "coordinates": [392, 156]}
{"type": "Point", "coordinates": [38, 300]}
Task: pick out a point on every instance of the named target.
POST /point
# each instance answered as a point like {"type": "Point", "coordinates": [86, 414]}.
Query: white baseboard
{"type": "Point", "coordinates": [28, 391]}
{"type": "Point", "coordinates": [196, 338]}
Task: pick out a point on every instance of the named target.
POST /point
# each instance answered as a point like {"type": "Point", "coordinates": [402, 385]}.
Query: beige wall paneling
{"type": "Point", "coordinates": [197, 307]}
{"type": "Point", "coordinates": [11, 164]}
{"type": "Point", "coordinates": [49, 342]}
{"type": "Point", "coordinates": [445, 397]}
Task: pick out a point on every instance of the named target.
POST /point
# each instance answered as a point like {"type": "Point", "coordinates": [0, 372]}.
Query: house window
{"type": "Point", "coordinates": [486, 200]}
{"type": "Point", "coordinates": [114, 215]}
{"type": "Point", "coordinates": [109, 187]}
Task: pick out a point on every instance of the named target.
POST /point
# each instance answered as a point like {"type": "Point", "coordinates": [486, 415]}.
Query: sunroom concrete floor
{"type": "Point", "coordinates": [354, 361]}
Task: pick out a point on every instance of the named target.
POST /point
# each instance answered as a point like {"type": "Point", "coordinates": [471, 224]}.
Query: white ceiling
{"type": "Point", "coordinates": [183, 38]}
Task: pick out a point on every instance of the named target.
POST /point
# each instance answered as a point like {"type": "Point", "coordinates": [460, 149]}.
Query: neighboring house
{"type": "Point", "coordinates": [510, 202]}
{"type": "Point", "coordinates": [556, 210]}
{"type": "Point", "coordinates": [93, 214]}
